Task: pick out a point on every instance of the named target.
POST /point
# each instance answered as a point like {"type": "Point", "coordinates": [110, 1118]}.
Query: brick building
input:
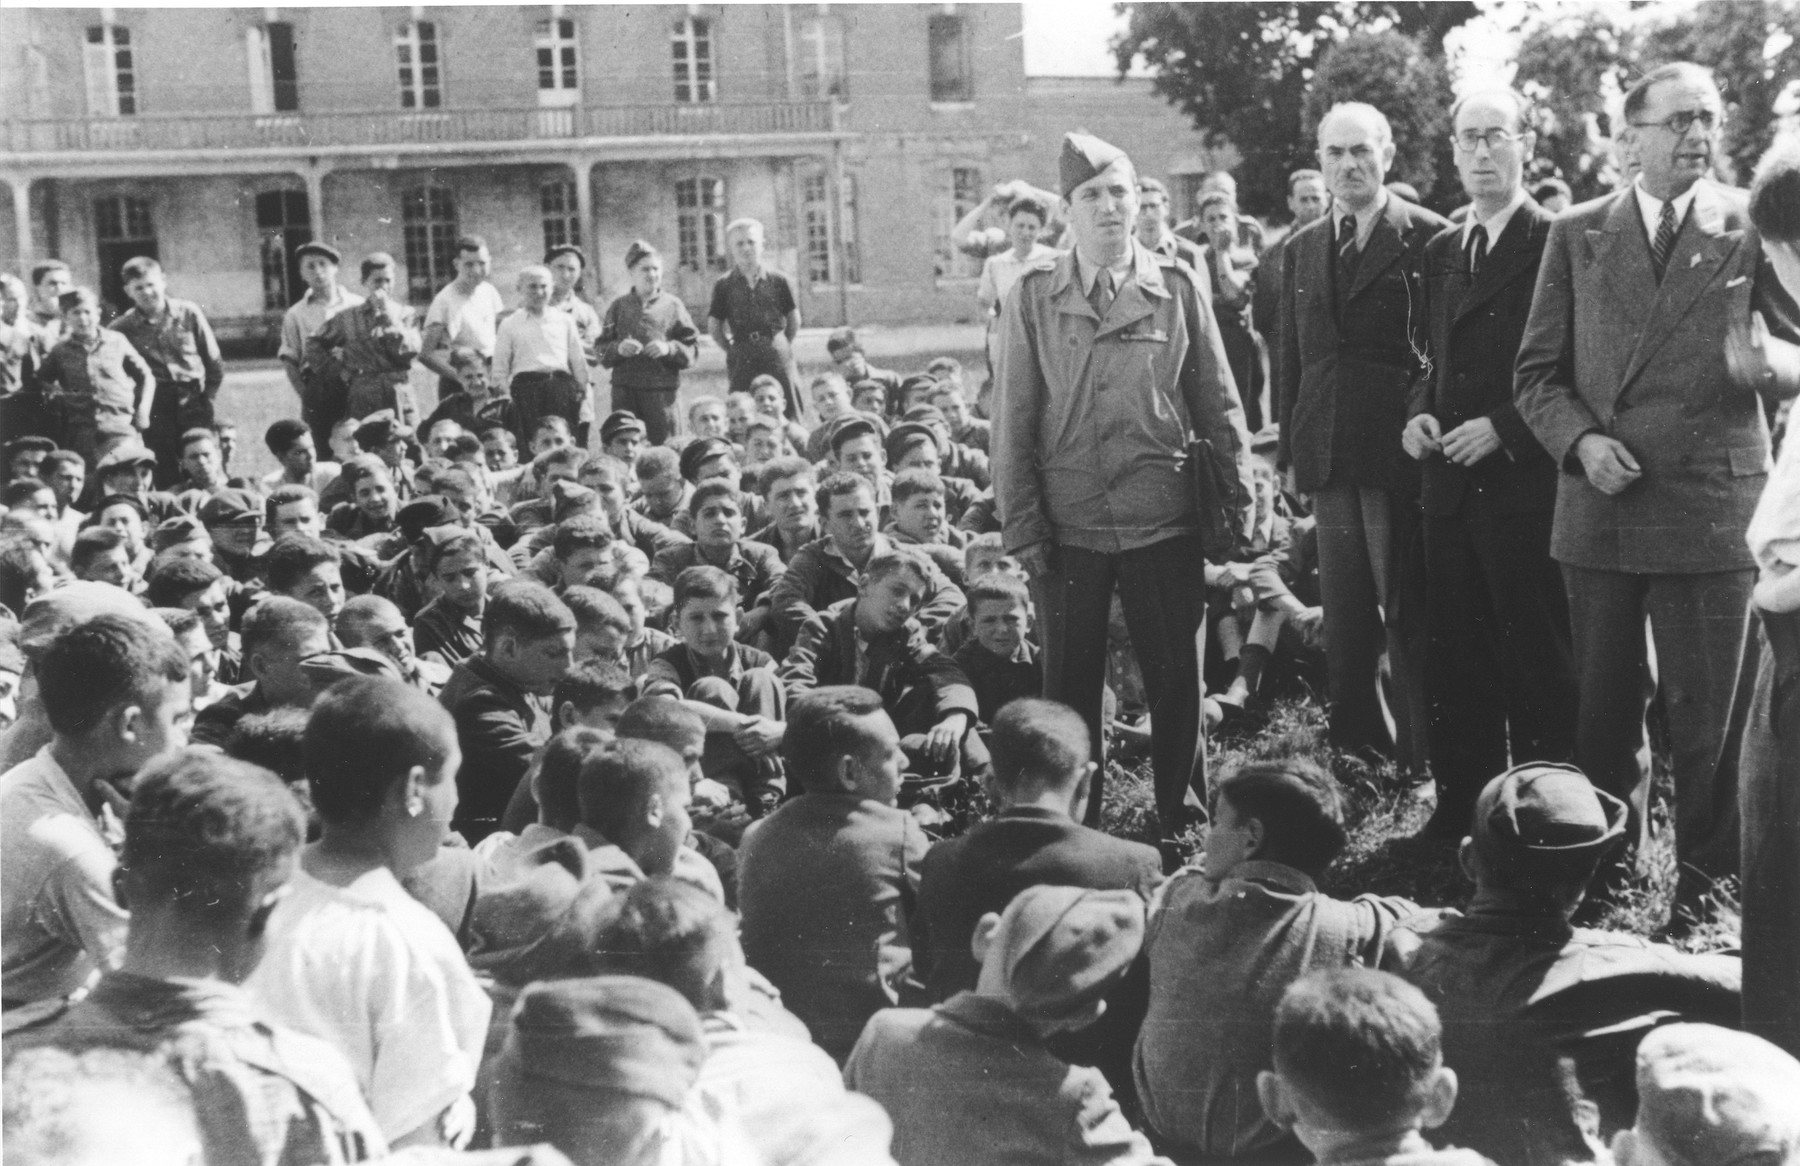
{"type": "Point", "coordinates": [220, 139]}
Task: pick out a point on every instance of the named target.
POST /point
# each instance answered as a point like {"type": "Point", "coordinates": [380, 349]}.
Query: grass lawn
{"type": "Point", "coordinates": [1383, 809]}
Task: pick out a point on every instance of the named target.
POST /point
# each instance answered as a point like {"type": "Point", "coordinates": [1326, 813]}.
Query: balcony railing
{"type": "Point", "coordinates": [302, 131]}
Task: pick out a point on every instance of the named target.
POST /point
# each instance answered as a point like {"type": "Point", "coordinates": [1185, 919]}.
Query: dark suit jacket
{"type": "Point", "coordinates": [1475, 330]}
{"type": "Point", "coordinates": [499, 727]}
{"type": "Point", "coordinates": [1345, 379]}
{"type": "Point", "coordinates": [1609, 350]}
{"type": "Point", "coordinates": [964, 878]}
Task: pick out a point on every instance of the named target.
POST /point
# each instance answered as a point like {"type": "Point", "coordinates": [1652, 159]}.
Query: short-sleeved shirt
{"type": "Point", "coordinates": [97, 382]}
{"type": "Point", "coordinates": [759, 309]}
{"type": "Point", "coordinates": [305, 318]}
{"type": "Point", "coordinates": [58, 918]}
{"type": "Point", "coordinates": [179, 346]}
{"type": "Point", "coordinates": [471, 321]}
{"type": "Point", "coordinates": [373, 972]}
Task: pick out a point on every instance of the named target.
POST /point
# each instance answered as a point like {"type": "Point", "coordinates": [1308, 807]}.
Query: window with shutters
{"type": "Point", "coordinates": [274, 76]}
{"type": "Point", "coordinates": [558, 67]}
{"type": "Point", "coordinates": [123, 230]}
{"type": "Point", "coordinates": [111, 72]}
{"type": "Point", "coordinates": [700, 223]}
{"type": "Point", "coordinates": [819, 63]}
{"type": "Point", "coordinates": [562, 214]}
{"type": "Point", "coordinates": [428, 215]}
{"type": "Point", "coordinates": [283, 226]}
{"type": "Point", "coordinates": [960, 193]}
{"type": "Point", "coordinates": [691, 46]}
{"type": "Point", "coordinates": [421, 71]}
{"type": "Point", "coordinates": [815, 220]}
{"type": "Point", "coordinates": [952, 77]}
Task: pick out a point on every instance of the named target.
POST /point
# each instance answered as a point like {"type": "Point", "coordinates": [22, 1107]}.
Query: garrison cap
{"type": "Point", "coordinates": [1084, 156]}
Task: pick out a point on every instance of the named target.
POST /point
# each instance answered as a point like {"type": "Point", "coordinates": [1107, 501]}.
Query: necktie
{"type": "Point", "coordinates": [1345, 268]}
{"type": "Point", "coordinates": [1346, 240]}
{"type": "Point", "coordinates": [1477, 249]}
{"type": "Point", "coordinates": [1664, 242]}
{"type": "Point", "coordinates": [1103, 292]}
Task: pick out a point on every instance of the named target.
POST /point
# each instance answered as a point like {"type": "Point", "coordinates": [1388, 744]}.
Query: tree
{"type": "Point", "coordinates": [1390, 71]}
{"type": "Point", "coordinates": [1241, 71]}
{"type": "Point", "coordinates": [1570, 68]}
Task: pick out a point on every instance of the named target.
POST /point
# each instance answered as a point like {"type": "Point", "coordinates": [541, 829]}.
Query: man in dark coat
{"type": "Point", "coordinates": [1500, 675]}
{"type": "Point", "coordinates": [1352, 326]}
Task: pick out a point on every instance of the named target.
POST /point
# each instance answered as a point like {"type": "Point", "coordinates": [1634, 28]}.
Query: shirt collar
{"type": "Point", "coordinates": [1365, 218]}
{"type": "Point", "coordinates": [336, 294]}
{"type": "Point", "coordinates": [1651, 207]}
{"type": "Point", "coordinates": [1087, 273]}
{"type": "Point", "coordinates": [1494, 224]}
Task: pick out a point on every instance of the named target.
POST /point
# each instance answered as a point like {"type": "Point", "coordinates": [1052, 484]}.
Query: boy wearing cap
{"type": "Point", "coordinates": [320, 390]}
{"type": "Point", "coordinates": [177, 343]}
{"type": "Point", "coordinates": [971, 1080]}
{"type": "Point", "coordinates": [372, 345]}
{"type": "Point", "coordinates": [96, 382]}
{"type": "Point", "coordinates": [1571, 1001]}
{"type": "Point", "coordinates": [538, 357]}
{"type": "Point", "coordinates": [707, 459]}
{"type": "Point", "coordinates": [622, 437]}
{"type": "Point", "coordinates": [277, 635]}
{"type": "Point", "coordinates": [1711, 1095]}
{"type": "Point", "coordinates": [1359, 1072]}
{"type": "Point", "coordinates": [754, 316]}
{"type": "Point", "coordinates": [1226, 939]}
{"type": "Point", "coordinates": [646, 340]}
{"type": "Point", "coordinates": [234, 519]}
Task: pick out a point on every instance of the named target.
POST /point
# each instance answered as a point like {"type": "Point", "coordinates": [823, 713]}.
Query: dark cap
{"type": "Point", "coordinates": [917, 380]}
{"type": "Point", "coordinates": [841, 339]}
{"type": "Point", "coordinates": [229, 506]}
{"type": "Point", "coordinates": [700, 451]}
{"type": "Point", "coordinates": [126, 453]}
{"type": "Point", "coordinates": [379, 428]}
{"type": "Point", "coordinates": [131, 500]}
{"type": "Point", "coordinates": [322, 250]}
{"type": "Point", "coordinates": [638, 249]}
{"type": "Point", "coordinates": [568, 499]}
{"type": "Point", "coordinates": [903, 437]}
{"type": "Point", "coordinates": [1061, 948]}
{"type": "Point", "coordinates": [851, 426]}
{"type": "Point", "coordinates": [1710, 1096]}
{"type": "Point", "coordinates": [178, 529]}
{"type": "Point", "coordinates": [620, 421]}
{"type": "Point", "coordinates": [345, 663]}
{"type": "Point", "coordinates": [425, 512]}
{"type": "Point", "coordinates": [1084, 156]}
{"type": "Point", "coordinates": [927, 414]}
{"type": "Point", "coordinates": [1546, 816]}
{"type": "Point", "coordinates": [622, 1034]}
{"type": "Point", "coordinates": [30, 443]}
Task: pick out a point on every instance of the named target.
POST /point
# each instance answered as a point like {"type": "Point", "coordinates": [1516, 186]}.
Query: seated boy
{"type": "Point", "coordinates": [612, 627]}
{"type": "Point", "coordinates": [731, 686]}
{"type": "Point", "coordinates": [1000, 661]}
{"type": "Point", "coordinates": [448, 629]}
{"type": "Point", "coordinates": [634, 798]}
{"type": "Point", "coordinates": [874, 641]}
{"type": "Point", "coordinates": [1359, 1071]}
{"type": "Point", "coordinates": [586, 554]}
{"type": "Point", "coordinates": [718, 526]}
{"type": "Point", "coordinates": [790, 486]}
{"type": "Point", "coordinates": [1227, 938]}
{"type": "Point", "coordinates": [825, 881]}
{"type": "Point", "coordinates": [1710, 1094]}
{"type": "Point", "coordinates": [913, 445]}
{"type": "Point", "coordinates": [592, 695]}
{"type": "Point", "coordinates": [662, 491]}
{"type": "Point", "coordinates": [919, 519]}
{"type": "Point", "coordinates": [971, 1081]}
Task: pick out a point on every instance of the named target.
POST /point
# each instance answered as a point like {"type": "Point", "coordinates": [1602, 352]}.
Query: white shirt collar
{"type": "Point", "coordinates": [1651, 207]}
{"type": "Point", "coordinates": [1365, 218]}
{"type": "Point", "coordinates": [1121, 270]}
{"type": "Point", "coordinates": [1494, 224]}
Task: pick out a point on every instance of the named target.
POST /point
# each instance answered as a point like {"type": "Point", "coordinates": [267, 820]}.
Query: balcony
{"type": "Point", "coordinates": [305, 132]}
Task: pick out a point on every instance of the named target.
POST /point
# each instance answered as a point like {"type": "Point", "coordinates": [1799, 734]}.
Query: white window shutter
{"type": "Point", "coordinates": [262, 88]}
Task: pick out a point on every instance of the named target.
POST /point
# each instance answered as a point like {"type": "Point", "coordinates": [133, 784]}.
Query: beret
{"type": "Point", "coordinates": [621, 1034]}
{"type": "Point", "coordinates": [126, 453]}
{"type": "Point", "coordinates": [700, 451]}
{"type": "Point", "coordinates": [1061, 948]}
{"type": "Point", "coordinates": [1084, 156]}
{"type": "Point", "coordinates": [228, 506]}
{"type": "Point", "coordinates": [322, 250]}
{"type": "Point", "coordinates": [620, 421]}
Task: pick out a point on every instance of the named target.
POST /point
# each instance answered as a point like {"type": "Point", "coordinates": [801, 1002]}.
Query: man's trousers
{"type": "Point", "coordinates": [1697, 622]}
{"type": "Point", "coordinates": [1769, 795]}
{"type": "Point", "coordinates": [1499, 666]}
{"type": "Point", "coordinates": [1160, 587]}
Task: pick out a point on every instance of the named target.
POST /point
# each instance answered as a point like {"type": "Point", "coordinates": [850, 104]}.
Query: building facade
{"type": "Point", "coordinates": [220, 139]}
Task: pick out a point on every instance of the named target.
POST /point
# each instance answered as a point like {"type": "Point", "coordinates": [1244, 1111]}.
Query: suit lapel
{"type": "Point", "coordinates": [1384, 247]}
{"type": "Point", "coordinates": [1312, 272]}
{"type": "Point", "coordinates": [1140, 295]}
{"type": "Point", "coordinates": [1622, 254]}
{"type": "Point", "coordinates": [1511, 254]}
{"type": "Point", "coordinates": [1701, 249]}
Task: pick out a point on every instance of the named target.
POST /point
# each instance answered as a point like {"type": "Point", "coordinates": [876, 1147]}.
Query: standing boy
{"type": "Point", "coordinates": [538, 357]}
{"type": "Point", "coordinates": [320, 390]}
{"type": "Point", "coordinates": [647, 339]}
{"type": "Point", "coordinates": [175, 340]}
{"type": "Point", "coordinates": [754, 317]}
{"type": "Point", "coordinates": [466, 313]}
{"type": "Point", "coordinates": [373, 344]}
{"type": "Point", "coordinates": [95, 379]}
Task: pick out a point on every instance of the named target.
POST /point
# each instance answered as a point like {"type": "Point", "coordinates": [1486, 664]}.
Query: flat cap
{"type": "Point", "coordinates": [379, 428]}
{"type": "Point", "coordinates": [851, 426]}
{"type": "Point", "coordinates": [328, 668]}
{"type": "Point", "coordinates": [1084, 156]}
{"type": "Point", "coordinates": [927, 414]}
{"type": "Point", "coordinates": [620, 421]}
{"type": "Point", "coordinates": [322, 250]}
{"type": "Point", "coordinates": [126, 453]}
{"type": "Point", "coordinates": [425, 512]}
{"type": "Point", "coordinates": [841, 339]}
{"type": "Point", "coordinates": [56, 611]}
{"type": "Point", "coordinates": [1061, 948]}
{"type": "Point", "coordinates": [622, 1034]}
{"type": "Point", "coordinates": [903, 437]}
{"type": "Point", "coordinates": [701, 450]}
{"type": "Point", "coordinates": [131, 500]}
{"type": "Point", "coordinates": [1545, 815]}
{"type": "Point", "coordinates": [917, 380]}
{"type": "Point", "coordinates": [30, 443]}
{"type": "Point", "coordinates": [177, 529]}
{"type": "Point", "coordinates": [1710, 1096]}
{"type": "Point", "coordinates": [229, 506]}
{"type": "Point", "coordinates": [567, 499]}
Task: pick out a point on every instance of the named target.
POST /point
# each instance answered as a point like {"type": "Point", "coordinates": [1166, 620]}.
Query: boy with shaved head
{"type": "Point", "coordinates": [539, 357]}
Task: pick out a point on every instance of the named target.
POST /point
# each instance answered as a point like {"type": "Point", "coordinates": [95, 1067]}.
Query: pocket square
{"type": "Point", "coordinates": [1694, 260]}
{"type": "Point", "coordinates": [1738, 280]}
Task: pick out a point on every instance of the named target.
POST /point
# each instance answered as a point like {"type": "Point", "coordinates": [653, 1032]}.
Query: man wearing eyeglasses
{"type": "Point", "coordinates": [1352, 332]}
{"type": "Point", "coordinates": [1499, 671]}
{"type": "Point", "coordinates": [1623, 378]}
